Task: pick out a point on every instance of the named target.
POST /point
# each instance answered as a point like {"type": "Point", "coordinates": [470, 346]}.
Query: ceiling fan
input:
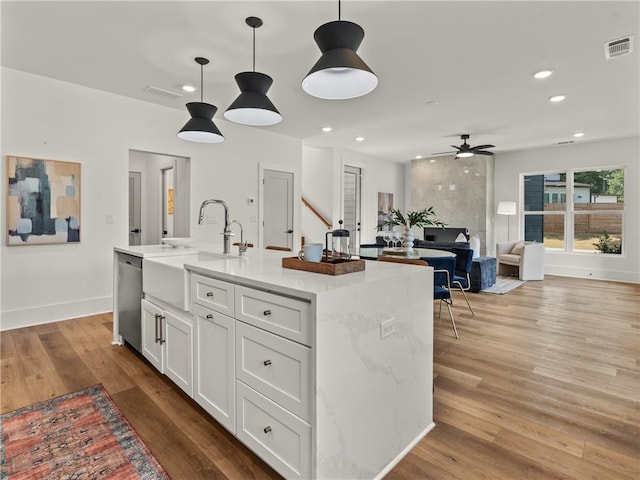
{"type": "Point", "coordinates": [466, 150]}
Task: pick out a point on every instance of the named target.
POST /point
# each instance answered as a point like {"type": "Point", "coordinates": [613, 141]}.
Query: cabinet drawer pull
{"type": "Point", "coordinates": [267, 429]}
{"type": "Point", "coordinates": [209, 294]}
{"type": "Point", "coordinates": [267, 363]}
{"type": "Point", "coordinates": [209, 317]}
{"type": "Point", "coordinates": [266, 313]}
{"type": "Point", "coordinates": [162, 339]}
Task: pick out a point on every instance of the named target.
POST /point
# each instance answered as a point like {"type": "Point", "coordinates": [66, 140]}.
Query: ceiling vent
{"type": "Point", "coordinates": [566, 142]}
{"type": "Point", "coordinates": [162, 92]}
{"type": "Point", "coordinates": [618, 48]}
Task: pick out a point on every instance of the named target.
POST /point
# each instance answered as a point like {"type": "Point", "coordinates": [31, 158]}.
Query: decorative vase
{"type": "Point", "coordinates": [407, 239]}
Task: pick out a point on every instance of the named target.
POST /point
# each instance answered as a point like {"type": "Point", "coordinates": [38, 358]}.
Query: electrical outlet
{"type": "Point", "coordinates": [387, 328]}
{"type": "Point", "coordinates": [211, 219]}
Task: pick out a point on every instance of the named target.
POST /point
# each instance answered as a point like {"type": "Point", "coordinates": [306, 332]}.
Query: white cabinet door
{"type": "Point", "coordinates": [178, 355]}
{"type": "Point", "coordinates": [152, 348]}
{"type": "Point", "coordinates": [214, 369]}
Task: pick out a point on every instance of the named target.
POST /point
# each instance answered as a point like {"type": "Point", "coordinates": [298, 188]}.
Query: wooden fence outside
{"type": "Point", "coordinates": [595, 223]}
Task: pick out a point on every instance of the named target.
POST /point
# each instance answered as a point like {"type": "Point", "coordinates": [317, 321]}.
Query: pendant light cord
{"type": "Point", "coordinates": [339, 17]}
{"type": "Point", "coordinates": [201, 83]}
{"type": "Point", "coordinates": [254, 48]}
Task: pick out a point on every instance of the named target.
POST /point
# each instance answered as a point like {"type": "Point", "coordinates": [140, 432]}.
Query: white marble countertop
{"type": "Point", "coordinates": [263, 269]}
{"type": "Point", "coordinates": [150, 251]}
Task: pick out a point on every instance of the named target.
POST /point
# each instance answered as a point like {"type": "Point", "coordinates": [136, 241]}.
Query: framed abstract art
{"type": "Point", "coordinates": [43, 201]}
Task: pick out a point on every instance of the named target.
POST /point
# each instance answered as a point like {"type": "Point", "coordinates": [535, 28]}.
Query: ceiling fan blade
{"type": "Point", "coordinates": [483, 147]}
{"type": "Point", "coordinates": [456, 147]}
{"type": "Point", "coordinates": [443, 153]}
{"type": "Point", "coordinates": [483, 152]}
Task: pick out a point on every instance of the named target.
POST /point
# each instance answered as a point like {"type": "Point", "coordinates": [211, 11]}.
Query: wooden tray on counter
{"type": "Point", "coordinates": [324, 267]}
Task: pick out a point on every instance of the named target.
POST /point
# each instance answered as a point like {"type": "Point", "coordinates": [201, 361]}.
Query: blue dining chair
{"type": "Point", "coordinates": [461, 276]}
{"type": "Point", "coordinates": [443, 270]}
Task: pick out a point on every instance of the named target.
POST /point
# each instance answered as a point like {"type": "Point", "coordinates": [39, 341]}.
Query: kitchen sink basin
{"type": "Point", "coordinates": [166, 279]}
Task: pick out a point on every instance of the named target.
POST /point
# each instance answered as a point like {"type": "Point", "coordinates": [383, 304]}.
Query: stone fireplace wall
{"type": "Point", "coordinates": [460, 191]}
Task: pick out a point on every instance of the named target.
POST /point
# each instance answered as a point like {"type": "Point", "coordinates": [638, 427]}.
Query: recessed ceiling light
{"type": "Point", "coordinates": [326, 129]}
{"type": "Point", "coordinates": [542, 74]}
{"type": "Point", "coordinates": [433, 160]}
{"type": "Point", "coordinates": [578, 135]}
{"type": "Point", "coordinates": [359, 139]}
{"type": "Point", "coordinates": [557, 98]}
{"type": "Point", "coordinates": [188, 88]}
{"type": "Point", "coordinates": [418, 157]}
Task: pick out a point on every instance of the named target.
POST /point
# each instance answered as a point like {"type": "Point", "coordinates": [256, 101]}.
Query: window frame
{"type": "Point", "coordinates": [569, 212]}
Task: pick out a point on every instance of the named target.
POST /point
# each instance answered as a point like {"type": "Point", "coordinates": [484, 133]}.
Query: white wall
{"type": "Point", "coordinates": [322, 185]}
{"type": "Point", "coordinates": [613, 153]}
{"type": "Point", "coordinates": [49, 119]}
{"type": "Point", "coordinates": [317, 188]}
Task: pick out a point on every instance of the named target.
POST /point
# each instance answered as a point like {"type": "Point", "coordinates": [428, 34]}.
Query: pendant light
{"type": "Point", "coordinates": [253, 107]}
{"type": "Point", "coordinates": [200, 128]}
{"type": "Point", "coordinates": [339, 73]}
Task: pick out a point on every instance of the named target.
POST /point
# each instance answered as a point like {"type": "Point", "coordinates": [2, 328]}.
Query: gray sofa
{"type": "Point", "coordinates": [435, 237]}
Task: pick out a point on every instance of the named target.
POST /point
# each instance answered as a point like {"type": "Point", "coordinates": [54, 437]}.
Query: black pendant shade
{"type": "Point", "coordinates": [340, 73]}
{"type": "Point", "coordinates": [253, 107]}
{"type": "Point", "coordinates": [200, 128]}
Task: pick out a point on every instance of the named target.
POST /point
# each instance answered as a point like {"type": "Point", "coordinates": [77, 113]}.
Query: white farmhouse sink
{"type": "Point", "coordinates": [166, 279]}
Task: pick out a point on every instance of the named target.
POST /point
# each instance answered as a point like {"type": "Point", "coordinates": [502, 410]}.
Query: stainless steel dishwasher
{"type": "Point", "coordinates": [129, 296]}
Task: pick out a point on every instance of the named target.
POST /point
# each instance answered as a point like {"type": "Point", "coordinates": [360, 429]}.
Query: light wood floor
{"type": "Point", "coordinates": [543, 383]}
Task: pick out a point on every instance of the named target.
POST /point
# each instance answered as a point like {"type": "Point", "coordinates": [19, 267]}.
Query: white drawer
{"type": "Point", "coordinates": [212, 293]}
{"type": "Point", "coordinates": [280, 438]}
{"type": "Point", "coordinates": [281, 315]}
{"type": "Point", "coordinates": [275, 367]}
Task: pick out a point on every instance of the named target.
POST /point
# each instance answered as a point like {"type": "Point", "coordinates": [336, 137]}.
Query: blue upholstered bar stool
{"type": "Point", "coordinates": [443, 271]}
{"type": "Point", "coordinates": [461, 279]}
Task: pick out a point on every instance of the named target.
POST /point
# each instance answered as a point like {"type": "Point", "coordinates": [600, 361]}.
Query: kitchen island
{"type": "Point", "coordinates": [321, 376]}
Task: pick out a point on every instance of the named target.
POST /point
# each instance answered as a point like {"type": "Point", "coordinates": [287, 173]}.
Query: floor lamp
{"type": "Point", "coordinates": [508, 209]}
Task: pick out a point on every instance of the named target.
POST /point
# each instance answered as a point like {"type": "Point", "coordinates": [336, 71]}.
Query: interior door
{"type": "Point", "coordinates": [134, 207]}
{"type": "Point", "coordinates": [351, 205]}
{"type": "Point", "coordinates": [278, 208]}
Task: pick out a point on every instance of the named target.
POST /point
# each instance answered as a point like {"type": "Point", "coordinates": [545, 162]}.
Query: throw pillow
{"type": "Point", "coordinates": [474, 242]}
{"type": "Point", "coordinates": [517, 248]}
{"type": "Point", "coordinates": [461, 237]}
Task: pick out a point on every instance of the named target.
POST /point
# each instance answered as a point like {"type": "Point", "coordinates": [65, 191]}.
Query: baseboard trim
{"type": "Point", "coordinates": [404, 452]}
{"type": "Point", "coordinates": [596, 274]}
{"type": "Point", "coordinates": [42, 314]}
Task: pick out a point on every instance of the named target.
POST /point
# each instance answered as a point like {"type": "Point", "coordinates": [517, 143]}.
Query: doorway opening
{"type": "Point", "coordinates": [159, 193]}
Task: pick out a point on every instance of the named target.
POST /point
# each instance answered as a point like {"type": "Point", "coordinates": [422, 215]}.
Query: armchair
{"type": "Point", "coordinates": [526, 260]}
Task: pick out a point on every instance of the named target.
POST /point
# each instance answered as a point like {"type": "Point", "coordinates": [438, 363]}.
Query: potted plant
{"type": "Point", "coordinates": [419, 218]}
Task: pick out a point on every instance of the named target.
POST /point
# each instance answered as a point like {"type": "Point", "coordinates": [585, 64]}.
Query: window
{"type": "Point", "coordinates": [545, 209]}
{"type": "Point", "coordinates": [597, 222]}
{"type": "Point", "coordinates": [577, 210]}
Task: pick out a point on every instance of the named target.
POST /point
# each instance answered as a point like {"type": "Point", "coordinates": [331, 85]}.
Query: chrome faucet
{"type": "Point", "coordinates": [226, 232]}
{"type": "Point", "coordinates": [242, 247]}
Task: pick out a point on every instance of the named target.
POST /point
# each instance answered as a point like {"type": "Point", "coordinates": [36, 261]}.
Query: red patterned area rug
{"type": "Point", "coordinates": [81, 435]}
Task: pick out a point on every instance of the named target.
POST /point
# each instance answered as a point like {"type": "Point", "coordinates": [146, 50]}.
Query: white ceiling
{"type": "Point", "coordinates": [474, 58]}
